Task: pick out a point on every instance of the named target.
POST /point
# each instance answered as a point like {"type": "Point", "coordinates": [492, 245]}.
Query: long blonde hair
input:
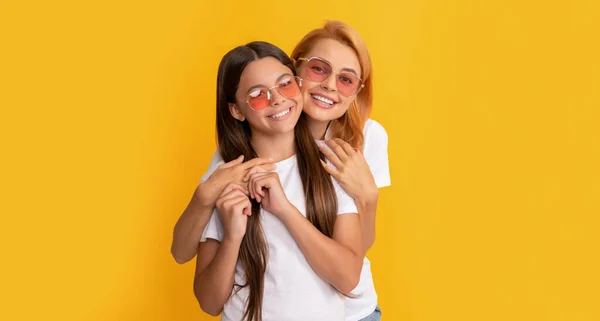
{"type": "Point", "coordinates": [349, 127]}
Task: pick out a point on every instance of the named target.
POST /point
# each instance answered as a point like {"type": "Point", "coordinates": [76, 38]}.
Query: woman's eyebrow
{"type": "Point", "coordinates": [350, 70]}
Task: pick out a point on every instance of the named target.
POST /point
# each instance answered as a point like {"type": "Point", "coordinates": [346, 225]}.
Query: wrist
{"type": "Point", "coordinates": [204, 197]}
{"type": "Point", "coordinates": [368, 199]}
{"type": "Point", "coordinates": [289, 213]}
{"type": "Point", "coordinates": [232, 240]}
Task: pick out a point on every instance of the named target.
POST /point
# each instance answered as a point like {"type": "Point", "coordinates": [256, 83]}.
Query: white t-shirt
{"type": "Point", "coordinates": [376, 155]}
{"type": "Point", "coordinates": [292, 289]}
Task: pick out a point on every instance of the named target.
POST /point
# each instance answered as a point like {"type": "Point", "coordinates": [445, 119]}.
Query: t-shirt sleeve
{"type": "Point", "coordinates": [376, 154]}
{"type": "Point", "coordinates": [346, 204]}
{"type": "Point", "coordinates": [214, 228]}
{"type": "Point", "coordinates": [215, 162]}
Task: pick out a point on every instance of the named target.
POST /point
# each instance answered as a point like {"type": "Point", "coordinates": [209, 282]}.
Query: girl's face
{"type": "Point", "coordinates": [268, 97]}
{"type": "Point", "coordinates": [329, 99]}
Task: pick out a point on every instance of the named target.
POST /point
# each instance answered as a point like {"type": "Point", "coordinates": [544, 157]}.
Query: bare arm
{"type": "Point", "coordinates": [355, 177]}
{"type": "Point", "coordinates": [367, 207]}
{"type": "Point", "coordinates": [191, 223]}
{"type": "Point", "coordinates": [215, 271]}
{"type": "Point", "coordinates": [338, 260]}
{"type": "Point", "coordinates": [215, 268]}
{"type": "Point", "coordinates": [189, 227]}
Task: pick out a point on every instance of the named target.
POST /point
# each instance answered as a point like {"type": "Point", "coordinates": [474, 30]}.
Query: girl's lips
{"type": "Point", "coordinates": [286, 116]}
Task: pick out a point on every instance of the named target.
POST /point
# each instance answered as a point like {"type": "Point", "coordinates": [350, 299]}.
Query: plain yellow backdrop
{"type": "Point", "coordinates": [492, 112]}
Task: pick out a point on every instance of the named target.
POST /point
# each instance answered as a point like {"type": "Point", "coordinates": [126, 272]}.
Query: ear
{"type": "Point", "coordinates": [235, 112]}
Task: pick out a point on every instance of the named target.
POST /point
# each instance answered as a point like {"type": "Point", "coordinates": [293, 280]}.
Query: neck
{"type": "Point", "coordinates": [278, 146]}
{"type": "Point", "coordinates": [318, 128]}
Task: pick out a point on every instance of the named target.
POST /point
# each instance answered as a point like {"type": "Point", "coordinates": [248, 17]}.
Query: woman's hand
{"type": "Point", "coordinates": [231, 172]}
{"type": "Point", "coordinates": [351, 170]}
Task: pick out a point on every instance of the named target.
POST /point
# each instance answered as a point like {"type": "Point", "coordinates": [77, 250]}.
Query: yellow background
{"type": "Point", "coordinates": [492, 111]}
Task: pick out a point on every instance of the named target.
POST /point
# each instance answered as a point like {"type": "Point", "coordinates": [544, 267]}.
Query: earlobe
{"type": "Point", "coordinates": [235, 112]}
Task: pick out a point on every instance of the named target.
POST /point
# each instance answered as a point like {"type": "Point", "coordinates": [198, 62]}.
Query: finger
{"type": "Point", "coordinates": [257, 188]}
{"type": "Point", "coordinates": [250, 189]}
{"type": "Point", "coordinates": [256, 161]}
{"type": "Point", "coordinates": [241, 205]}
{"type": "Point", "coordinates": [359, 153]}
{"type": "Point", "coordinates": [228, 188]}
{"type": "Point", "coordinates": [232, 205]}
{"type": "Point", "coordinates": [345, 146]}
{"type": "Point", "coordinates": [234, 162]}
{"type": "Point", "coordinates": [339, 152]}
{"type": "Point", "coordinates": [258, 192]}
{"type": "Point", "coordinates": [255, 191]}
{"type": "Point", "coordinates": [264, 182]}
{"type": "Point", "coordinates": [269, 167]}
{"type": "Point", "coordinates": [248, 209]}
{"type": "Point", "coordinates": [232, 186]}
{"type": "Point", "coordinates": [255, 169]}
{"type": "Point", "coordinates": [232, 195]}
{"type": "Point", "coordinates": [332, 171]}
{"type": "Point", "coordinates": [241, 188]}
{"type": "Point", "coordinates": [331, 156]}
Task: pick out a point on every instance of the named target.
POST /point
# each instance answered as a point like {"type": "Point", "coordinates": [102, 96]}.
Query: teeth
{"type": "Point", "coordinates": [323, 99]}
{"type": "Point", "coordinates": [281, 114]}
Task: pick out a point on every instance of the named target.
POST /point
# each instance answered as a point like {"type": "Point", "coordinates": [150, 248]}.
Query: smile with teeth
{"type": "Point", "coordinates": [323, 99]}
{"type": "Point", "coordinates": [281, 114]}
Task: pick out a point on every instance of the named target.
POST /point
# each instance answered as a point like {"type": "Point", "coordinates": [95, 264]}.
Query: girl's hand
{"type": "Point", "coordinates": [234, 208]}
{"type": "Point", "coordinates": [266, 188]}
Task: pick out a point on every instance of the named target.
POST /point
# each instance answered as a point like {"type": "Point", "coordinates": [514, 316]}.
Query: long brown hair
{"type": "Point", "coordinates": [349, 127]}
{"type": "Point", "coordinates": [234, 140]}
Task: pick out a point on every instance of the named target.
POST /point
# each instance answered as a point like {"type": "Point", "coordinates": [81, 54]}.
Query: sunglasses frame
{"type": "Point", "coordinates": [299, 82]}
{"type": "Point", "coordinates": [362, 85]}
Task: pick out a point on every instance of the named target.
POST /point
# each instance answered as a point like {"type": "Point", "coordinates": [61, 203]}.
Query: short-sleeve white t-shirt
{"type": "Point", "coordinates": [292, 289]}
{"type": "Point", "coordinates": [376, 155]}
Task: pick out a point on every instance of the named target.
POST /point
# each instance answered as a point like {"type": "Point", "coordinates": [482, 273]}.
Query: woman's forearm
{"type": "Point", "coordinates": [367, 208]}
{"type": "Point", "coordinates": [189, 228]}
{"type": "Point", "coordinates": [338, 264]}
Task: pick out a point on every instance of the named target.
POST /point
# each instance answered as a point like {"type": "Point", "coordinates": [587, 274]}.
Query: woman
{"type": "Point", "coordinates": [270, 255]}
{"type": "Point", "coordinates": [328, 59]}
{"type": "Point", "coordinates": [335, 66]}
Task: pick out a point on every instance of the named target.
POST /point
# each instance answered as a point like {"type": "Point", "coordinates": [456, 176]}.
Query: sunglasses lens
{"type": "Point", "coordinates": [317, 70]}
{"type": "Point", "coordinates": [348, 83]}
{"type": "Point", "coordinates": [258, 99]}
{"type": "Point", "coordinates": [289, 87]}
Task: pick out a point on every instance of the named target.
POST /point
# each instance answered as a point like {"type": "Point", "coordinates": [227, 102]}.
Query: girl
{"type": "Point", "coordinates": [275, 260]}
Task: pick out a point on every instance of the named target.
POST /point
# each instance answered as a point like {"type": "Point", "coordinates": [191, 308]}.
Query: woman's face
{"type": "Point", "coordinates": [323, 100]}
{"type": "Point", "coordinates": [268, 97]}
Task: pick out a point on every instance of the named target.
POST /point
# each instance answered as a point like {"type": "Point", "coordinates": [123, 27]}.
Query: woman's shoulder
{"type": "Point", "coordinates": [374, 131]}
